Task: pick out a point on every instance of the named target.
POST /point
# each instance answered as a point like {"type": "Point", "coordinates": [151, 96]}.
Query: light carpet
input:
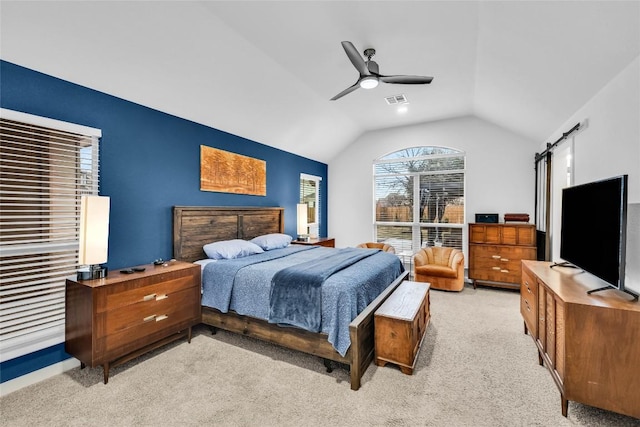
{"type": "Point", "coordinates": [476, 368]}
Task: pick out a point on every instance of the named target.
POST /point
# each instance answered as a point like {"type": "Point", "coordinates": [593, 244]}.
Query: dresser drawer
{"type": "Point", "coordinates": [502, 254]}
{"type": "Point", "coordinates": [498, 263]}
{"type": "Point", "coordinates": [151, 292]}
{"type": "Point", "coordinates": [496, 274]}
{"type": "Point", "coordinates": [131, 324]}
{"type": "Point", "coordinates": [529, 302]}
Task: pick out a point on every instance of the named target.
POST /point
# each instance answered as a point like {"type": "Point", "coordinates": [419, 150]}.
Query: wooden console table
{"type": "Point", "coordinates": [589, 343]}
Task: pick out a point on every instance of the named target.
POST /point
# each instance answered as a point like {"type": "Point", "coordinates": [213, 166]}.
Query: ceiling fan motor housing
{"type": "Point", "coordinates": [373, 67]}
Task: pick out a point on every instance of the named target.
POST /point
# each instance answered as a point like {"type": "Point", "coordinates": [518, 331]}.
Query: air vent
{"type": "Point", "coordinates": [396, 99]}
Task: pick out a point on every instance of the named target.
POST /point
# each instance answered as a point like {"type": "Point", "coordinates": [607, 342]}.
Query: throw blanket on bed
{"type": "Point", "coordinates": [296, 296]}
{"type": "Point", "coordinates": [222, 280]}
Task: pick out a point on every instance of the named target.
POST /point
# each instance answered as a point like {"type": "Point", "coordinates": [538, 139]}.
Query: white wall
{"type": "Point", "coordinates": [499, 172]}
{"type": "Point", "coordinates": [610, 146]}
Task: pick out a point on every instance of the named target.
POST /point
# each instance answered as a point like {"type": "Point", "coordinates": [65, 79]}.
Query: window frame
{"type": "Point", "coordinates": [317, 200]}
{"type": "Point", "coordinates": [33, 311]}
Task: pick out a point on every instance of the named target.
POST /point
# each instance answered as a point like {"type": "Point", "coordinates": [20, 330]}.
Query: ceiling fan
{"type": "Point", "coordinates": [369, 72]}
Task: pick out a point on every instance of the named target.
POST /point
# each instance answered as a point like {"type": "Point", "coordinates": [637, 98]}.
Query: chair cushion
{"type": "Point", "coordinates": [375, 245]}
{"type": "Point", "coordinates": [441, 255]}
{"type": "Point", "coordinates": [437, 270]}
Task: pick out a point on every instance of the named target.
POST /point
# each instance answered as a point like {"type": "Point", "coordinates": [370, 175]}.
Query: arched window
{"type": "Point", "coordinates": [419, 198]}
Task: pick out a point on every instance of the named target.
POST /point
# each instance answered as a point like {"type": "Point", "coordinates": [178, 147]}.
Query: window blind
{"type": "Point", "coordinates": [310, 194]}
{"type": "Point", "coordinates": [45, 166]}
{"type": "Point", "coordinates": [419, 199]}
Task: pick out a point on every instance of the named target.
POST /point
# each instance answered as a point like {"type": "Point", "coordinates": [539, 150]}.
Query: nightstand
{"type": "Point", "coordinates": [329, 242]}
{"type": "Point", "coordinates": [112, 320]}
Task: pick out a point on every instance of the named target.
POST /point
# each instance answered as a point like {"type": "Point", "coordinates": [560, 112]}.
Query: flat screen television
{"type": "Point", "coordinates": [593, 236]}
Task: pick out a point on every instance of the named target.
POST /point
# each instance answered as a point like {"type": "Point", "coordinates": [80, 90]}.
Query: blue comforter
{"type": "Point", "coordinates": [243, 285]}
{"type": "Point", "coordinates": [296, 294]}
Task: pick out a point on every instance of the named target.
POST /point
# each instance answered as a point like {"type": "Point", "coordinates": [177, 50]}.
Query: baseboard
{"type": "Point", "coordinates": [37, 376]}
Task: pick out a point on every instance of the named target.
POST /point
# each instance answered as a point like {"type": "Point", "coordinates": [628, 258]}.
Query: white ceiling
{"type": "Point", "coordinates": [266, 70]}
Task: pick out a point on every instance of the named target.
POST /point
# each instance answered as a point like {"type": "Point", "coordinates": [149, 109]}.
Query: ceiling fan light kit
{"type": "Point", "coordinates": [368, 82]}
{"type": "Point", "coordinates": [370, 74]}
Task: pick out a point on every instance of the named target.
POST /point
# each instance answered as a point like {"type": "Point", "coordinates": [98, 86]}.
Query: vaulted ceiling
{"type": "Point", "coordinates": [266, 70]}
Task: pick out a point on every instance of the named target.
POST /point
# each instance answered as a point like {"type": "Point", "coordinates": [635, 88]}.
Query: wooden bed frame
{"type": "Point", "coordinates": [195, 226]}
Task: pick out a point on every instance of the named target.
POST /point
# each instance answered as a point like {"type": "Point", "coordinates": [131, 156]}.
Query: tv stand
{"type": "Point", "coordinates": [633, 294]}
{"type": "Point", "coordinates": [588, 343]}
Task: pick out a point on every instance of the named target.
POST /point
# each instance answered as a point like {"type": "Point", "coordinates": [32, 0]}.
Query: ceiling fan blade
{"type": "Point", "coordinates": [373, 68]}
{"type": "Point", "coordinates": [407, 80]}
{"type": "Point", "coordinates": [347, 90]}
{"type": "Point", "coordinates": [355, 58]}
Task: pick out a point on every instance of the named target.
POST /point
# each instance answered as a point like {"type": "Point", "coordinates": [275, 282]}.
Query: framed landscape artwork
{"type": "Point", "coordinates": [228, 172]}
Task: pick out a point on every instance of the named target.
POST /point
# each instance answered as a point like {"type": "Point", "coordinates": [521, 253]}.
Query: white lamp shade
{"type": "Point", "coordinates": [302, 218]}
{"type": "Point", "coordinates": [94, 230]}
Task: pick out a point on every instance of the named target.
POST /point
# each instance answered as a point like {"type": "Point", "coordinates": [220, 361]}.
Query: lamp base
{"type": "Point", "coordinates": [303, 238]}
{"type": "Point", "coordinates": [92, 272]}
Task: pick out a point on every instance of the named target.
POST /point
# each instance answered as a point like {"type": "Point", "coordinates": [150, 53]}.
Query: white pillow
{"type": "Point", "coordinates": [230, 249]}
{"type": "Point", "coordinates": [272, 241]}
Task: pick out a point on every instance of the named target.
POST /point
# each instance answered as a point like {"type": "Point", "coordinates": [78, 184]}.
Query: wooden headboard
{"type": "Point", "coordinates": [195, 226]}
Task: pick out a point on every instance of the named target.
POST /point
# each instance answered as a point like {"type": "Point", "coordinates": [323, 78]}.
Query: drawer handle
{"type": "Point", "coordinates": [504, 271]}
{"type": "Point", "coordinates": [149, 318]}
{"type": "Point", "coordinates": [161, 297]}
{"type": "Point", "coordinates": [159, 318]}
{"type": "Point", "coordinates": [496, 256]}
{"type": "Point", "coordinates": [148, 297]}
{"type": "Point", "coordinates": [495, 268]}
{"type": "Point", "coordinates": [504, 259]}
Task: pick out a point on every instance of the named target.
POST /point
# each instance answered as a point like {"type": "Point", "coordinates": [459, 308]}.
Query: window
{"type": "Point", "coordinates": [45, 166]}
{"type": "Point", "coordinates": [419, 198]}
{"type": "Point", "coordinates": [310, 194]}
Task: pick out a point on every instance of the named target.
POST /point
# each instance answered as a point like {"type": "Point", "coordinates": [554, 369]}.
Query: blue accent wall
{"type": "Point", "coordinates": [28, 363]}
{"type": "Point", "coordinates": [150, 161]}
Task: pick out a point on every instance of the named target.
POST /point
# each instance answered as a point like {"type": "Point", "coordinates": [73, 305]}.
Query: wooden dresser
{"type": "Point", "coordinates": [589, 343]}
{"type": "Point", "coordinates": [496, 252]}
{"type": "Point", "coordinates": [112, 320]}
{"type": "Point", "coordinates": [400, 325]}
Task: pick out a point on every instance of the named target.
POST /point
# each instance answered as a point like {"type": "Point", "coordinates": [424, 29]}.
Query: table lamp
{"type": "Point", "coordinates": [303, 234]}
{"type": "Point", "coordinates": [94, 237]}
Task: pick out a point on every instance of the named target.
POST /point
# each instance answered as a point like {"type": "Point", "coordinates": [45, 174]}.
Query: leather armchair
{"type": "Point", "coordinates": [442, 267]}
{"type": "Point", "coordinates": [374, 245]}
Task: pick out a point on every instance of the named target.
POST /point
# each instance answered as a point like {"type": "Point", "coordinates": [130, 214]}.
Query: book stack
{"type": "Point", "coordinates": [516, 217]}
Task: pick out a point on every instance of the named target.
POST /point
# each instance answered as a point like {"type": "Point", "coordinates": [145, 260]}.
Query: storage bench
{"type": "Point", "coordinates": [400, 325]}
